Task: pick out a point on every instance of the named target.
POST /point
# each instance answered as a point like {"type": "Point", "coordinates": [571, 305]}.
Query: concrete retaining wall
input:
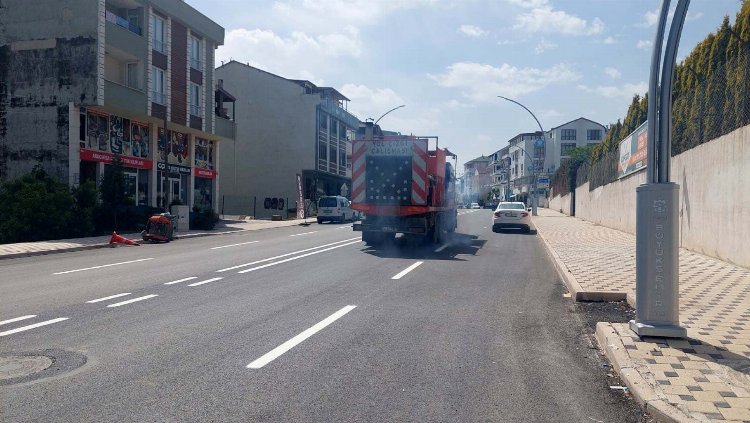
{"type": "Point", "coordinates": [560, 203]}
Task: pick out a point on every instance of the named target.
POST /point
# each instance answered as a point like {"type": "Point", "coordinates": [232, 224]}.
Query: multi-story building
{"type": "Point", "coordinates": [477, 179]}
{"type": "Point", "coordinates": [576, 133]}
{"type": "Point", "coordinates": [286, 127]}
{"type": "Point", "coordinates": [88, 80]}
{"type": "Point", "coordinates": [500, 169]}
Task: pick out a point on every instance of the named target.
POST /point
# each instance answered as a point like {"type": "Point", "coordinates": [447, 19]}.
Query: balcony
{"type": "Point", "coordinates": [123, 22]}
{"type": "Point", "coordinates": [125, 98]}
{"type": "Point", "coordinates": [225, 128]}
{"type": "Point", "coordinates": [125, 40]}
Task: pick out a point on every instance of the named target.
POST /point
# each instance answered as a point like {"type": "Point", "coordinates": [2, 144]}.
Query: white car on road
{"type": "Point", "coordinates": [475, 206]}
{"type": "Point", "coordinates": [511, 215]}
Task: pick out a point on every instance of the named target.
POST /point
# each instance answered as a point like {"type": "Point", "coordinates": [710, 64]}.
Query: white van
{"type": "Point", "coordinates": [335, 209]}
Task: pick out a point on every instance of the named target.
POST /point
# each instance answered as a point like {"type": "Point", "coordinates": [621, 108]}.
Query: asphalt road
{"type": "Point", "coordinates": [318, 327]}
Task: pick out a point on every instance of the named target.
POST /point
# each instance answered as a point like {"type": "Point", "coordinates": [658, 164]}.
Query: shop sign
{"type": "Point", "coordinates": [300, 199]}
{"type": "Point", "coordinates": [204, 173]}
{"type": "Point", "coordinates": [174, 168]}
{"type": "Point", "coordinates": [105, 157]}
{"type": "Point", "coordinates": [633, 152]}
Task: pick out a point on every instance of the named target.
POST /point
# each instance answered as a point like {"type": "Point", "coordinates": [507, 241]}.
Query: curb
{"type": "Point", "coordinates": [615, 352]}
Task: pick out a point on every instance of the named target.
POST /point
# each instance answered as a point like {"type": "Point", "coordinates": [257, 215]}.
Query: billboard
{"type": "Point", "coordinates": [633, 152]}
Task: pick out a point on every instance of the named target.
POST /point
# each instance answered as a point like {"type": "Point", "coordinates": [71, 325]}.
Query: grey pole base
{"type": "Point", "coordinates": [658, 330]}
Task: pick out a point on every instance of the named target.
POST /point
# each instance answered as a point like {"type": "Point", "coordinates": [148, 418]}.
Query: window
{"type": "Point", "coordinates": [568, 135]}
{"type": "Point", "coordinates": [322, 151]}
{"type": "Point", "coordinates": [538, 152]}
{"type": "Point", "coordinates": [593, 134]}
{"type": "Point", "coordinates": [195, 99]}
{"type": "Point", "coordinates": [159, 34]}
{"type": "Point", "coordinates": [334, 128]}
{"type": "Point", "coordinates": [566, 147]}
{"type": "Point", "coordinates": [132, 75]}
{"type": "Point", "coordinates": [342, 158]}
{"type": "Point", "coordinates": [158, 94]}
{"type": "Point", "coordinates": [195, 53]}
{"type": "Point", "coordinates": [323, 121]}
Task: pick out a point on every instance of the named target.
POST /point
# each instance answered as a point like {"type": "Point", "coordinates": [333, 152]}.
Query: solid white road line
{"type": "Point", "coordinates": [304, 233]}
{"type": "Point", "coordinates": [17, 319]}
{"type": "Point", "coordinates": [234, 245]}
{"type": "Point", "coordinates": [205, 282]}
{"type": "Point", "coordinates": [35, 325]}
{"type": "Point", "coordinates": [288, 345]}
{"type": "Point", "coordinates": [145, 297]}
{"type": "Point", "coordinates": [104, 265]}
{"type": "Point", "coordinates": [181, 280]}
{"type": "Point", "coordinates": [108, 298]}
{"type": "Point", "coordinates": [283, 255]}
{"type": "Point", "coordinates": [407, 270]}
{"type": "Point", "coordinates": [298, 257]}
{"type": "Point", "coordinates": [442, 247]}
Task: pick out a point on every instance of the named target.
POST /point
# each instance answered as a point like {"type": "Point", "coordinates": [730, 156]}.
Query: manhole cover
{"type": "Point", "coordinates": [20, 367]}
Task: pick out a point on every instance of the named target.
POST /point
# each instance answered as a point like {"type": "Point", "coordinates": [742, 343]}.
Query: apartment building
{"type": "Point", "coordinates": [500, 171]}
{"type": "Point", "coordinates": [561, 139]}
{"type": "Point", "coordinates": [477, 179]}
{"type": "Point", "coordinates": [286, 127]}
{"type": "Point", "coordinates": [88, 80]}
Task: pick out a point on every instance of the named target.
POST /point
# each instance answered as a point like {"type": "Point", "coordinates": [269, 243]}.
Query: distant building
{"type": "Point", "coordinates": [500, 171]}
{"type": "Point", "coordinates": [477, 179]}
{"type": "Point", "coordinates": [86, 80]}
{"type": "Point", "coordinates": [576, 133]}
{"type": "Point", "coordinates": [285, 127]}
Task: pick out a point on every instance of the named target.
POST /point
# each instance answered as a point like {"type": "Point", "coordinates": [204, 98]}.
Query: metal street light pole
{"type": "Point", "coordinates": [544, 142]}
{"type": "Point", "coordinates": [383, 115]}
{"type": "Point", "coordinates": [657, 229]}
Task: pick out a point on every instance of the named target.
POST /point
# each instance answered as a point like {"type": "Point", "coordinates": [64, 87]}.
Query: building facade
{"type": "Point", "coordinates": [499, 166]}
{"type": "Point", "coordinates": [286, 127]}
{"type": "Point", "coordinates": [477, 180]}
{"type": "Point", "coordinates": [580, 132]}
{"type": "Point", "coordinates": [88, 80]}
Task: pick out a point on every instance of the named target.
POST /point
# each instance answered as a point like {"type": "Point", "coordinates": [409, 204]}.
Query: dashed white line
{"type": "Point", "coordinates": [304, 233]}
{"type": "Point", "coordinates": [234, 245]}
{"type": "Point", "coordinates": [298, 257]}
{"type": "Point", "coordinates": [288, 345]}
{"type": "Point", "coordinates": [442, 247]}
{"type": "Point", "coordinates": [205, 282]}
{"type": "Point", "coordinates": [104, 265]}
{"type": "Point", "coordinates": [98, 300]}
{"type": "Point", "coordinates": [344, 227]}
{"type": "Point", "coordinates": [145, 297]}
{"type": "Point", "coordinates": [283, 255]}
{"type": "Point", "coordinates": [181, 280]}
{"type": "Point", "coordinates": [402, 273]}
{"type": "Point", "coordinates": [17, 319]}
{"type": "Point", "coordinates": [35, 325]}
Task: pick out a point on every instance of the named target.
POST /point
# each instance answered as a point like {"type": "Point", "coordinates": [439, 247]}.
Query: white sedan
{"type": "Point", "coordinates": [511, 215]}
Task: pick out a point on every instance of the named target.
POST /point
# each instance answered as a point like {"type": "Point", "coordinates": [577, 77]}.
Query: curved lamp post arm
{"type": "Point", "coordinates": [527, 109]}
{"type": "Point", "coordinates": [383, 115]}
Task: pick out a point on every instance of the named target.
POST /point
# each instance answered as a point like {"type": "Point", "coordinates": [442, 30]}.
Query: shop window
{"type": "Point", "coordinates": [203, 193]}
{"type": "Point", "coordinates": [143, 187]}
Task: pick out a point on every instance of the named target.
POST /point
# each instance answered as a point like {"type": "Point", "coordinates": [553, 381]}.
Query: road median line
{"type": "Point", "coordinates": [298, 257]}
{"type": "Point", "coordinates": [283, 255]}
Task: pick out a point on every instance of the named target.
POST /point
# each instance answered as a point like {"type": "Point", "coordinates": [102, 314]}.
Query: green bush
{"type": "Point", "coordinates": [204, 219]}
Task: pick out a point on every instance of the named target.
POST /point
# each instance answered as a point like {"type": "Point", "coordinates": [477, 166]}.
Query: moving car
{"type": "Point", "coordinates": [475, 206]}
{"type": "Point", "coordinates": [511, 215]}
{"type": "Point", "coordinates": [335, 209]}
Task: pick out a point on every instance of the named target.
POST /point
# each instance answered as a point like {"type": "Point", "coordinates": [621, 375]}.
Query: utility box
{"type": "Point", "coordinates": [182, 218]}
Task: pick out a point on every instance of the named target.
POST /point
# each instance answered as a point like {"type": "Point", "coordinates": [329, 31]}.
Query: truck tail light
{"type": "Point", "coordinates": [524, 214]}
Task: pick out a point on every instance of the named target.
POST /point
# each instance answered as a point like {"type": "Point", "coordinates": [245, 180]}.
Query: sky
{"type": "Point", "coordinates": [448, 60]}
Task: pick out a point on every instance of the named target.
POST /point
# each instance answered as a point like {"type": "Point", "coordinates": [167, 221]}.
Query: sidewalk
{"type": "Point", "coordinates": [25, 249]}
{"type": "Point", "coordinates": [703, 378]}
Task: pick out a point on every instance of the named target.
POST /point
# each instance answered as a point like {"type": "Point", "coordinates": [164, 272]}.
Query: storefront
{"type": "Point", "coordinates": [174, 170]}
{"type": "Point", "coordinates": [205, 174]}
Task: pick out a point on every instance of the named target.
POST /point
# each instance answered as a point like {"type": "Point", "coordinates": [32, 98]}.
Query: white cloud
{"type": "Point", "coordinates": [651, 17]}
{"type": "Point", "coordinates": [610, 40]}
{"type": "Point", "coordinates": [644, 44]}
{"type": "Point", "coordinates": [543, 46]}
{"type": "Point", "coordinates": [626, 91]}
{"type": "Point", "coordinates": [472, 31]}
{"type": "Point", "coordinates": [550, 114]}
{"type": "Point", "coordinates": [368, 102]}
{"type": "Point", "coordinates": [612, 73]}
{"type": "Point", "coordinates": [298, 55]}
{"type": "Point", "coordinates": [482, 83]}
{"type": "Point", "coordinates": [542, 17]}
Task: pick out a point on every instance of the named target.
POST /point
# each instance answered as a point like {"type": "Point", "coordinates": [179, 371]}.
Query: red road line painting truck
{"type": "Point", "coordinates": [402, 186]}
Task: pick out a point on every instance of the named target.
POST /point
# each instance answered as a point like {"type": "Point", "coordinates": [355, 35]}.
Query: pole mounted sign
{"type": "Point", "coordinates": [300, 199]}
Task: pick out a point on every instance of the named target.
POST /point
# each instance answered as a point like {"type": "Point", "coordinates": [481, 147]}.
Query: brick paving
{"type": "Point", "coordinates": [705, 377]}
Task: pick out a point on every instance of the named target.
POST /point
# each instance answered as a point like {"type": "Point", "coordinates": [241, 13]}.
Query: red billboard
{"type": "Point", "coordinates": [204, 173]}
{"type": "Point", "coordinates": [105, 157]}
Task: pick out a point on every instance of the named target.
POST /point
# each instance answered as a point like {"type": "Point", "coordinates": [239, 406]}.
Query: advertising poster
{"type": "Point", "coordinates": [633, 152]}
{"type": "Point", "coordinates": [97, 131]}
{"type": "Point", "coordinates": [176, 151]}
{"type": "Point", "coordinates": [204, 153]}
{"type": "Point", "coordinates": [116, 134]}
{"type": "Point", "coordinates": [139, 139]}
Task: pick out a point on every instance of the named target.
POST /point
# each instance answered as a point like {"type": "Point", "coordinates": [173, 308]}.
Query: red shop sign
{"type": "Point", "coordinates": [204, 173]}
{"type": "Point", "coordinates": [104, 157]}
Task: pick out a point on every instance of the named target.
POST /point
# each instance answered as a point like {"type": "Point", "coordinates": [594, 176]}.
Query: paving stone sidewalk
{"type": "Point", "coordinates": [703, 378]}
{"type": "Point", "coordinates": [23, 249]}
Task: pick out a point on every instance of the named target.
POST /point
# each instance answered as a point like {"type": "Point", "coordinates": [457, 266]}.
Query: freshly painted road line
{"type": "Point", "coordinates": [17, 319]}
{"type": "Point", "coordinates": [407, 270]}
{"type": "Point", "coordinates": [234, 245]}
{"type": "Point", "coordinates": [288, 345]}
{"type": "Point", "coordinates": [181, 280]}
{"type": "Point", "coordinates": [442, 247]}
{"type": "Point", "coordinates": [145, 297]}
{"type": "Point", "coordinates": [205, 282]}
{"type": "Point", "coordinates": [104, 265]}
{"type": "Point", "coordinates": [98, 300]}
{"type": "Point", "coordinates": [35, 325]}
{"type": "Point", "coordinates": [283, 255]}
{"type": "Point", "coordinates": [304, 233]}
{"type": "Point", "coordinates": [298, 257]}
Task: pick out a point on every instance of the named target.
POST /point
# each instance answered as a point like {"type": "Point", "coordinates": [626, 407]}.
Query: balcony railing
{"type": "Point", "coordinates": [196, 64]}
{"type": "Point", "coordinates": [158, 97]}
{"type": "Point", "coordinates": [120, 21]}
{"type": "Point", "coordinates": [195, 110]}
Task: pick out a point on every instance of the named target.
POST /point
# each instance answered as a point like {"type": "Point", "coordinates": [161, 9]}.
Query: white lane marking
{"type": "Point", "coordinates": [145, 297]}
{"type": "Point", "coordinates": [234, 245]}
{"type": "Point", "coordinates": [35, 325]}
{"type": "Point", "coordinates": [442, 247]}
{"type": "Point", "coordinates": [304, 233]}
{"type": "Point", "coordinates": [205, 282]}
{"type": "Point", "coordinates": [108, 298]}
{"type": "Point", "coordinates": [297, 257]}
{"type": "Point", "coordinates": [283, 255]}
{"type": "Point", "coordinates": [104, 265]}
{"type": "Point", "coordinates": [407, 270]}
{"type": "Point", "coordinates": [288, 345]}
{"type": "Point", "coordinates": [344, 227]}
{"type": "Point", "coordinates": [181, 280]}
{"type": "Point", "coordinates": [17, 319]}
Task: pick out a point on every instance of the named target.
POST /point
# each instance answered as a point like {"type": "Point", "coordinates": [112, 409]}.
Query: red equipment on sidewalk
{"type": "Point", "coordinates": [119, 239]}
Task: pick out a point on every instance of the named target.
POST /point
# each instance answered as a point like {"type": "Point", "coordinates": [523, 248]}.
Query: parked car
{"type": "Point", "coordinates": [511, 215]}
{"type": "Point", "coordinates": [475, 206]}
{"type": "Point", "coordinates": [335, 209]}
